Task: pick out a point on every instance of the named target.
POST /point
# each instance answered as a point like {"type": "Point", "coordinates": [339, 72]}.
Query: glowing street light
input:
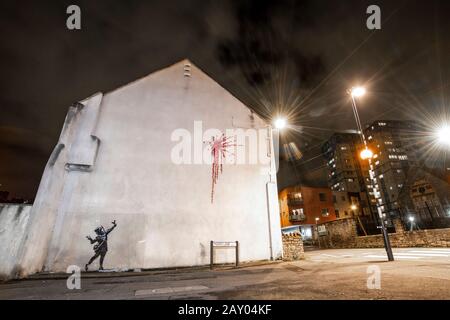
{"type": "Point", "coordinates": [358, 92]}
{"type": "Point", "coordinates": [280, 123]}
{"type": "Point", "coordinates": [411, 223]}
{"type": "Point", "coordinates": [366, 154]}
{"type": "Point", "coordinates": [443, 135]}
{"type": "Point", "coordinates": [353, 207]}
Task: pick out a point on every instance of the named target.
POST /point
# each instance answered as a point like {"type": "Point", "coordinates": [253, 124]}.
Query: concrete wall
{"type": "Point", "coordinates": [13, 222]}
{"type": "Point", "coordinates": [342, 234]}
{"type": "Point", "coordinates": [113, 162]}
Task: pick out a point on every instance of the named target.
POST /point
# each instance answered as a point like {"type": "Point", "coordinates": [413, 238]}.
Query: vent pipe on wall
{"type": "Point", "coordinates": [187, 70]}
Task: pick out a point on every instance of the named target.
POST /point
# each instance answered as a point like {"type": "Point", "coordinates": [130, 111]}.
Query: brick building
{"type": "Point", "coordinates": [304, 207]}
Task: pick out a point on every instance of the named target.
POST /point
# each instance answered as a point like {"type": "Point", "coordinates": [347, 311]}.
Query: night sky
{"type": "Point", "coordinates": [290, 57]}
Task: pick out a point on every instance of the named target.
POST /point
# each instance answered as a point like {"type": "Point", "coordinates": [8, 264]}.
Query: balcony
{"type": "Point", "coordinates": [297, 217]}
{"type": "Point", "coordinates": [295, 201]}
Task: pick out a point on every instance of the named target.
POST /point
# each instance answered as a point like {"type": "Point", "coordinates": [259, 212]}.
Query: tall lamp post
{"type": "Point", "coordinates": [279, 124]}
{"type": "Point", "coordinates": [367, 154]}
{"type": "Point", "coordinates": [317, 230]}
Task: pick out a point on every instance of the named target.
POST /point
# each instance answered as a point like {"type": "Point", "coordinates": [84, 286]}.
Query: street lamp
{"type": "Point", "coordinates": [411, 221]}
{"type": "Point", "coordinates": [443, 135]}
{"type": "Point", "coordinates": [366, 154]}
{"type": "Point", "coordinates": [358, 92]}
{"type": "Point", "coordinates": [317, 230]}
{"type": "Point", "coordinates": [280, 123]}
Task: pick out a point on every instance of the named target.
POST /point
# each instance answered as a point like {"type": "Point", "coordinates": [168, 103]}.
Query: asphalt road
{"type": "Point", "coordinates": [417, 273]}
{"type": "Point", "coordinates": [418, 254]}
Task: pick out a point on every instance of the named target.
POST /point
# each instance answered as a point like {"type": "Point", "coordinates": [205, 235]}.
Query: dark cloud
{"type": "Point", "coordinates": [260, 47]}
{"type": "Point", "coordinates": [296, 57]}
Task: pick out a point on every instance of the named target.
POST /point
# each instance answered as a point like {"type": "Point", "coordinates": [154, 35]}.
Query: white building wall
{"type": "Point", "coordinates": [13, 222]}
{"type": "Point", "coordinates": [116, 165]}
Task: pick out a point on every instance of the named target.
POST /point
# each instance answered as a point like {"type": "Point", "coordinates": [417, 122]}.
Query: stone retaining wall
{"type": "Point", "coordinates": [342, 234]}
{"type": "Point", "coordinates": [293, 247]}
{"type": "Point", "coordinates": [437, 238]}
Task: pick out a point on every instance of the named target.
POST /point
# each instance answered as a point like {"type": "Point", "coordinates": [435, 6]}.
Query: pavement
{"type": "Point", "coordinates": [417, 273]}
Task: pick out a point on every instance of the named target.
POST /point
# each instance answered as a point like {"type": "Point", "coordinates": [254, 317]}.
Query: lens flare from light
{"type": "Point", "coordinates": [358, 92]}
{"type": "Point", "coordinates": [366, 154]}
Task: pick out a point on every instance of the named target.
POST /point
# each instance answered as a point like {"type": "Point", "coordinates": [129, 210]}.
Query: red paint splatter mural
{"type": "Point", "coordinates": [220, 148]}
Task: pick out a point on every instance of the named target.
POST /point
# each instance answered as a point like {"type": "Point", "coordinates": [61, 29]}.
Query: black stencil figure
{"type": "Point", "coordinates": [102, 244]}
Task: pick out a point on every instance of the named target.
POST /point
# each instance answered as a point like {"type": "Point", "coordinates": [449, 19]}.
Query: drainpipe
{"type": "Point", "coordinates": [269, 153]}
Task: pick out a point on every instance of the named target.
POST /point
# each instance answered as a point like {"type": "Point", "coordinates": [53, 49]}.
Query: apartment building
{"type": "Point", "coordinates": [348, 175]}
{"type": "Point", "coordinates": [305, 207]}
